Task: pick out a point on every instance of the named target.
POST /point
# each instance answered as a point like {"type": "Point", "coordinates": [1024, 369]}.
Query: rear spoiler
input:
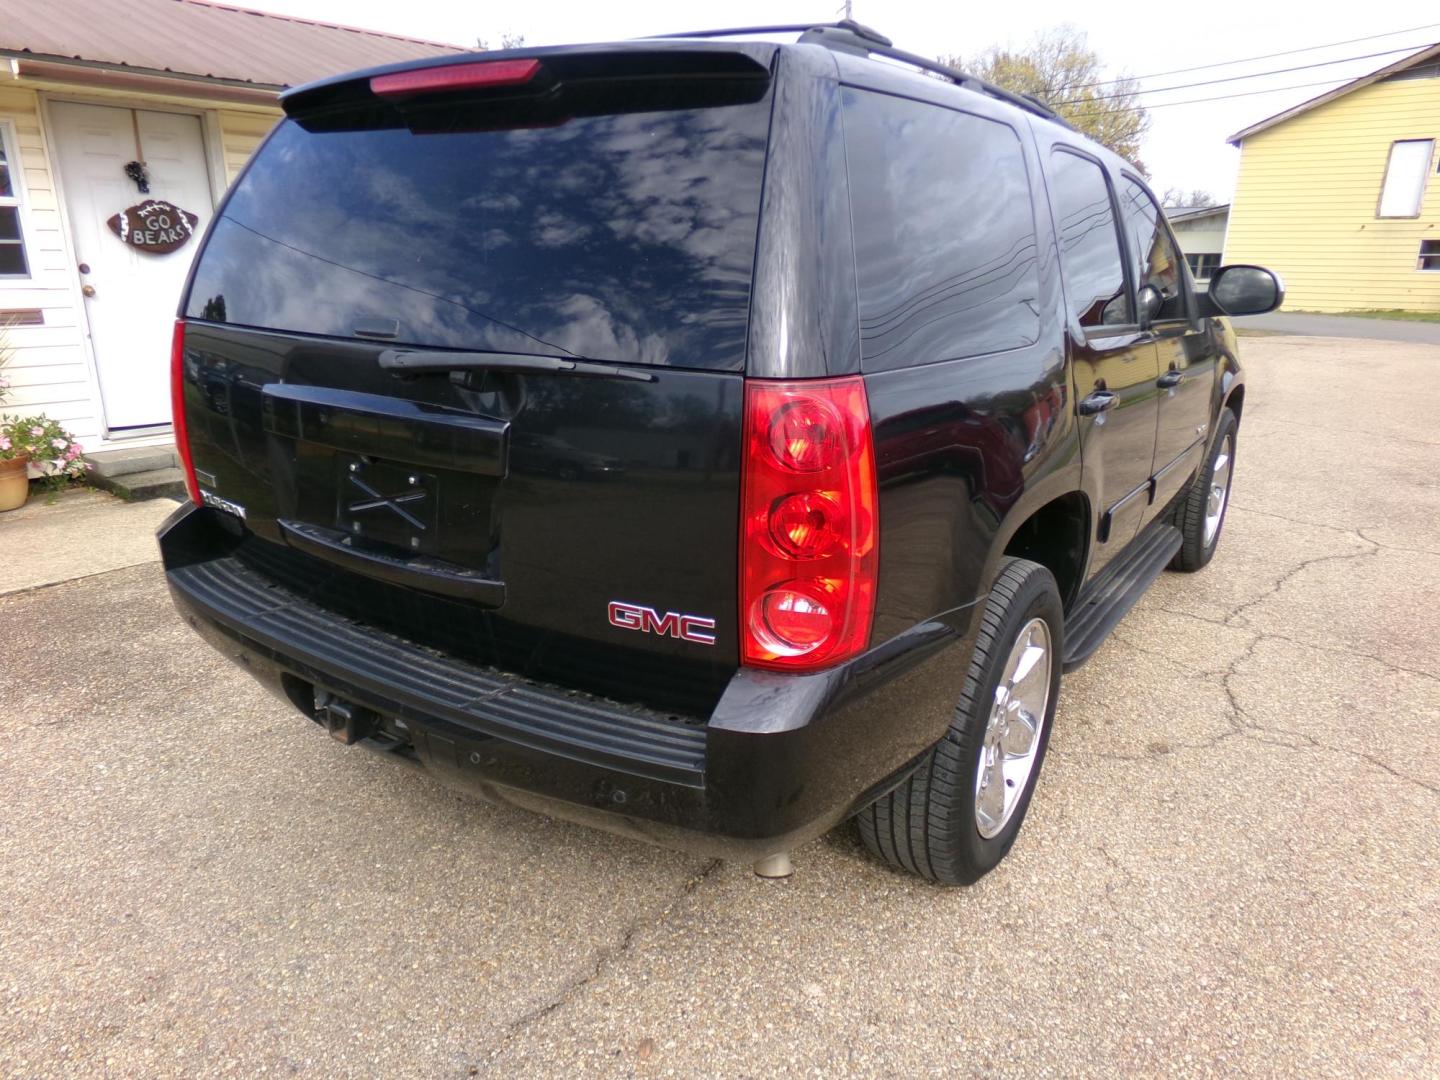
{"type": "Point", "coordinates": [536, 86]}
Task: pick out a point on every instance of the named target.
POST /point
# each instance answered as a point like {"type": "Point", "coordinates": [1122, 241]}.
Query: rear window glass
{"type": "Point", "coordinates": [945, 247]}
{"type": "Point", "coordinates": [627, 238]}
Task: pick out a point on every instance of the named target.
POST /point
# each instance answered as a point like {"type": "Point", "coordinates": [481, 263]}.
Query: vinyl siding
{"type": "Point", "coordinates": [48, 370]}
{"type": "Point", "coordinates": [1307, 194]}
{"type": "Point", "coordinates": [240, 135]}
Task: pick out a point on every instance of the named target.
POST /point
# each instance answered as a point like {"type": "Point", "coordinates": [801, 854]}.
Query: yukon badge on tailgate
{"type": "Point", "coordinates": [649, 621]}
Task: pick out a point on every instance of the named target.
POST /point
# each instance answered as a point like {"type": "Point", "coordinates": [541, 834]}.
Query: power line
{"type": "Point", "coordinates": [1236, 78]}
{"type": "Point", "coordinates": [1221, 97]}
{"type": "Point", "coordinates": [1249, 59]}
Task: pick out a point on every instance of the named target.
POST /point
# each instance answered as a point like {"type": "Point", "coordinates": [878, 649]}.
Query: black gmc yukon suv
{"type": "Point", "coordinates": [702, 439]}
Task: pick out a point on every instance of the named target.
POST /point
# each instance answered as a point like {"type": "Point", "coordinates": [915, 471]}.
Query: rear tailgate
{"type": "Point", "coordinates": [470, 366]}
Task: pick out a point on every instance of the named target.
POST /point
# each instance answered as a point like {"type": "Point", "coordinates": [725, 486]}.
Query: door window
{"type": "Point", "coordinates": [1090, 255]}
{"type": "Point", "coordinates": [1158, 262]}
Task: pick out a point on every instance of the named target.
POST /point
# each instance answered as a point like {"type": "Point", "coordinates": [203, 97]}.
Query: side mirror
{"type": "Point", "coordinates": [1242, 290]}
{"type": "Point", "coordinates": [1151, 303]}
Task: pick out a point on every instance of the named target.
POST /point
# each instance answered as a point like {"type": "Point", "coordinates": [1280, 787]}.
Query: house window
{"type": "Point", "coordinates": [13, 262]}
{"type": "Point", "coordinates": [1203, 265]}
{"type": "Point", "coordinates": [1405, 174]}
{"type": "Point", "coordinates": [1430, 255]}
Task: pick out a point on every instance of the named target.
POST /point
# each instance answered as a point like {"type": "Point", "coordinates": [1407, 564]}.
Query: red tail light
{"type": "Point", "coordinates": [485, 74]}
{"type": "Point", "coordinates": [177, 409]}
{"type": "Point", "coordinates": [808, 551]}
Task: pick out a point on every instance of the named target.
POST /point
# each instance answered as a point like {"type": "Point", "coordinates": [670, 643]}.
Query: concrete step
{"type": "Point", "coordinates": [130, 460]}
{"type": "Point", "coordinates": [166, 483]}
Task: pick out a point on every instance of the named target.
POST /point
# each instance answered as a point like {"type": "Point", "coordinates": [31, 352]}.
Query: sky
{"type": "Point", "coordinates": [1185, 147]}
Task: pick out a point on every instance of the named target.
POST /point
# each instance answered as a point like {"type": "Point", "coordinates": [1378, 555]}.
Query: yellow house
{"type": "Point", "coordinates": [108, 110]}
{"type": "Point", "coordinates": [1340, 195]}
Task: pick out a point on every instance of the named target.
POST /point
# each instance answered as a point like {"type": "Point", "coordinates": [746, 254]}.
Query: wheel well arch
{"type": "Point", "coordinates": [1057, 536]}
{"type": "Point", "coordinates": [1236, 401]}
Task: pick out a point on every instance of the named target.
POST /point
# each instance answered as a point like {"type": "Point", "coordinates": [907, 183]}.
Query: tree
{"type": "Point", "coordinates": [508, 40]}
{"type": "Point", "coordinates": [1061, 69]}
{"type": "Point", "coordinates": [1180, 199]}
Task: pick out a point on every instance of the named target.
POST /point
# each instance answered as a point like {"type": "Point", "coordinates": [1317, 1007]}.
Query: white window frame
{"type": "Point", "coordinates": [1199, 257]}
{"type": "Point", "coordinates": [1398, 199]}
{"type": "Point", "coordinates": [11, 146]}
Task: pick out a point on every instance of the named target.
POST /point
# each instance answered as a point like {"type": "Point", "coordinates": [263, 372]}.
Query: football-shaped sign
{"type": "Point", "coordinates": [155, 227]}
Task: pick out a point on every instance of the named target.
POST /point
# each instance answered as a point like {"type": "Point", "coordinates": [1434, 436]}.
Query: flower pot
{"type": "Point", "coordinates": [14, 484]}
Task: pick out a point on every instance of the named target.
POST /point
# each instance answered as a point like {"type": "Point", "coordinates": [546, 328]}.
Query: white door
{"type": "Point", "coordinates": [130, 294]}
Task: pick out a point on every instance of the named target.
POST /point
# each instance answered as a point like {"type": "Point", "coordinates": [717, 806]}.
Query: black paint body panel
{"type": "Point", "coordinates": [584, 491]}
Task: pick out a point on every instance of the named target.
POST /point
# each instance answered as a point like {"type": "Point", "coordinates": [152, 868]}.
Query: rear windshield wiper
{"type": "Point", "coordinates": [419, 361]}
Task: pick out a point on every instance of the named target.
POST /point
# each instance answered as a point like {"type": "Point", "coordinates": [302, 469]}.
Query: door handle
{"type": "Point", "coordinates": [1170, 378]}
{"type": "Point", "coordinates": [1098, 402]}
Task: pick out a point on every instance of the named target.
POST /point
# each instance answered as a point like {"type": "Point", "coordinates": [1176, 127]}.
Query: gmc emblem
{"type": "Point", "coordinates": [649, 621]}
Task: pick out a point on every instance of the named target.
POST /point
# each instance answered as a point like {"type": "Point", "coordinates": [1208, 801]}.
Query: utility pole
{"type": "Point", "coordinates": [846, 9]}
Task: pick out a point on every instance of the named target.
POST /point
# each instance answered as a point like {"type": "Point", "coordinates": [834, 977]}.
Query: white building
{"type": "Point", "coordinates": [1201, 233]}
{"type": "Point", "coordinates": [100, 100]}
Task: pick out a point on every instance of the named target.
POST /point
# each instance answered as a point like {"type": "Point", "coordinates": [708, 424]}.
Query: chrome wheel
{"type": "Point", "coordinates": [1012, 735]}
{"type": "Point", "coordinates": [1219, 489]}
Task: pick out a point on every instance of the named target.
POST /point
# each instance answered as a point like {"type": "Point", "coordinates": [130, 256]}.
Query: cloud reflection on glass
{"type": "Point", "coordinates": [628, 238]}
{"type": "Point", "coordinates": [944, 233]}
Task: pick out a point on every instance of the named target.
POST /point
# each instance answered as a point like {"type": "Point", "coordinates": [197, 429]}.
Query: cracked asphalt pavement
{"type": "Point", "coordinates": [1232, 864]}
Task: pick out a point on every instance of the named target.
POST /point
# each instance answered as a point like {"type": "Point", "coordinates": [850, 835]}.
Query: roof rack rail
{"type": "Point", "coordinates": [852, 37]}
{"type": "Point", "coordinates": [858, 29]}
{"type": "Point", "coordinates": [842, 36]}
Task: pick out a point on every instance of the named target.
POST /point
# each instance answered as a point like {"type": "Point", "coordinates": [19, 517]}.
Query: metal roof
{"type": "Point", "coordinates": [1190, 213]}
{"type": "Point", "coordinates": [195, 38]}
{"type": "Point", "coordinates": [1410, 61]}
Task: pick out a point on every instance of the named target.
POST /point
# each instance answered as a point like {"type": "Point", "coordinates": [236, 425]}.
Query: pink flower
{"type": "Point", "coordinates": [37, 430]}
{"type": "Point", "coordinates": [4, 443]}
{"type": "Point", "coordinates": [72, 453]}
{"type": "Point", "coordinates": [58, 444]}
{"type": "Point", "coordinates": [4, 383]}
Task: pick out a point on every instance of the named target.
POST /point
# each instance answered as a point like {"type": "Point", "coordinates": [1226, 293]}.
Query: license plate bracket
{"type": "Point", "coordinates": [387, 502]}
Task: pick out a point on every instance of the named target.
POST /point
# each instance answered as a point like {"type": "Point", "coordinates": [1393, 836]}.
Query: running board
{"type": "Point", "coordinates": [1114, 592]}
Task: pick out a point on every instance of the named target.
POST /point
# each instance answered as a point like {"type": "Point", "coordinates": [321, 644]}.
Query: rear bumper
{"type": "Point", "coordinates": [780, 760]}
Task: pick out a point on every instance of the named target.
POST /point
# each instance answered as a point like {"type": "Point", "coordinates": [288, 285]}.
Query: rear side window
{"type": "Point", "coordinates": [1091, 263]}
{"type": "Point", "coordinates": [944, 229]}
{"type": "Point", "coordinates": [627, 238]}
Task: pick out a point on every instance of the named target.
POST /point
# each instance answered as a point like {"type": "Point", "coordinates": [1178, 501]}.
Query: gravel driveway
{"type": "Point", "coordinates": [1232, 864]}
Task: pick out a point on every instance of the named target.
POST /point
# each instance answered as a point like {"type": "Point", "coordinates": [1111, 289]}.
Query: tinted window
{"type": "Point", "coordinates": [945, 244]}
{"type": "Point", "coordinates": [622, 237]}
{"type": "Point", "coordinates": [1157, 260]}
{"type": "Point", "coordinates": [1090, 255]}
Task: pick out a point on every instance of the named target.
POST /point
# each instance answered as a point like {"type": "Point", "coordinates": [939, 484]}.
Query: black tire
{"type": "Point", "coordinates": [928, 825]}
{"type": "Point", "coordinates": [1189, 511]}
